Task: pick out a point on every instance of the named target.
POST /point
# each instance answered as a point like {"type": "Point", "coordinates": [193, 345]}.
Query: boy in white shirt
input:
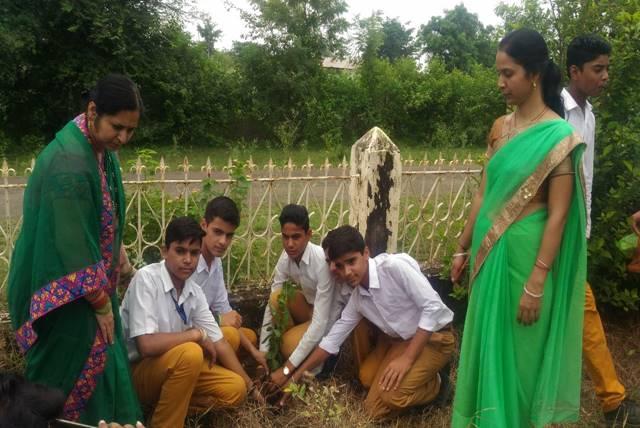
{"type": "Point", "coordinates": [172, 338]}
{"type": "Point", "coordinates": [303, 263]}
{"type": "Point", "coordinates": [588, 71]}
{"type": "Point", "coordinates": [220, 221]}
{"type": "Point", "coordinates": [416, 341]}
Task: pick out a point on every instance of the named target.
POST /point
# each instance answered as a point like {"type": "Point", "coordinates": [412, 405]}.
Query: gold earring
{"type": "Point", "coordinates": [534, 85]}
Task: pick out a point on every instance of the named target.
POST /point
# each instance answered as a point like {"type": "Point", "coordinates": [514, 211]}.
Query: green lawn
{"type": "Point", "coordinates": [259, 153]}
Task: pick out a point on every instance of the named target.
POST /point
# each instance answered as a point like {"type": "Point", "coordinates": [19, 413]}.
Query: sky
{"type": "Point", "coordinates": [415, 12]}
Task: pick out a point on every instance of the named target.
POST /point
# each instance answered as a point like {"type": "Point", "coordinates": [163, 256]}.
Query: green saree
{"type": "Point", "coordinates": [68, 247]}
{"type": "Point", "coordinates": [512, 375]}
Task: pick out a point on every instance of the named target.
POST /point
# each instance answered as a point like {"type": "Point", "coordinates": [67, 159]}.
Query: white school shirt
{"type": "Point", "coordinates": [148, 307]}
{"type": "Point", "coordinates": [211, 280]}
{"type": "Point", "coordinates": [399, 301]}
{"type": "Point", "coordinates": [584, 122]}
{"type": "Point", "coordinates": [317, 286]}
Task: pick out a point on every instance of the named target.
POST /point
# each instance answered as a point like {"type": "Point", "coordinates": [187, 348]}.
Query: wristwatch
{"type": "Point", "coordinates": [286, 371]}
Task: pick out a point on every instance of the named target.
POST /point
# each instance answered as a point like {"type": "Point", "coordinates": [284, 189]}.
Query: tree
{"type": "Point", "coordinates": [382, 37]}
{"type": "Point", "coordinates": [459, 39]}
{"type": "Point", "coordinates": [210, 34]}
{"type": "Point", "coordinates": [397, 40]}
{"type": "Point", "coordinates": [283, 65]}
{"type": "Point", "coordinates": [314, 26]}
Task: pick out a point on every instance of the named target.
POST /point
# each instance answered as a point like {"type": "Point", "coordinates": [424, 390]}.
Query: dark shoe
{"type": "Point", "coordinates": [445, 394]}
{"type": "Point", "coordinates": [626, 415]}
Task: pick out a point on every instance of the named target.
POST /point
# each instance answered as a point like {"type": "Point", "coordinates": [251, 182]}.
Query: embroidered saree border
{"type": "Point", "coordinates": [58, 293]}
{"type": "Point", "coordinates": [88, 379]}
{"type": "Point", "coordinates": [513, 208]}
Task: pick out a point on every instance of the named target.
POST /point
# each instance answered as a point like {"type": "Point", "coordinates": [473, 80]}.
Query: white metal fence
{"type": "Point", "coordinates": [435, 197]}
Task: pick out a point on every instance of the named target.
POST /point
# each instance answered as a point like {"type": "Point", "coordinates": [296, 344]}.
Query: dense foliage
{"type": "Point", "coordinates": [432, 85]}
{"type": "Point", "coordinates": [271, 89]}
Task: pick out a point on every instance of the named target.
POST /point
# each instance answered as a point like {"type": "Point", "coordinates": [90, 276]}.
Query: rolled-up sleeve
{"type": "Point", "coordinates": [343, 327]}
{"type": "Point", "coordinates": [435, 314]}
{"type": "Point", "coordinates": [202, 317]}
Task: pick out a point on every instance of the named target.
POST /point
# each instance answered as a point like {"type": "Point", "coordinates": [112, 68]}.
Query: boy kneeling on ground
{"type": "Point", "coordinates": [173, 340]}
{"type": "Point", "coordinates": [417, 340]}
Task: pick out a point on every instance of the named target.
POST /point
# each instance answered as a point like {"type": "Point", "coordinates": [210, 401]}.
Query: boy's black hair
{"type": "Point", "coordinates": [343, 240]}
{"type": "Point", "coordinates": [296, 214]}
{"type": "Point", "coordinates": [223, 207]}
{"type": "Point", "coordinates": [183, 229]}
{"type": "Point", "coordinates": [585, 48]}
{"type": "Point", "coordinates": [26, 404]}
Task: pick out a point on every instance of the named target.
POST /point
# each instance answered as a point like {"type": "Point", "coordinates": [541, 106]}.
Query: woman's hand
{"type": "Point", "coordinates": [529, 309]}
{"type": "Point", "coordinates": [458, 265]}
{"type": "Point", "coordinates": [106, 325]}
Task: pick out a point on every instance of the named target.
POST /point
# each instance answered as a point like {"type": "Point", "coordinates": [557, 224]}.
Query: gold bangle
{"type": "Point", "coordinates": [542, 265]}
{"type": "Point", "coordinates": [104, 310]}
{"type": "Point", "coordinates": [460, 254]}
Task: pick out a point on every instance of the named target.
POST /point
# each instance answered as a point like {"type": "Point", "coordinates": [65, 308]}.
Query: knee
{"type": "Point", "coordinates": [236, 392]}
{"type": "Point", "coordinates": [289, 343]}
{"type": "Point", "coordinates": [250, 335]}
{"type": "Point", "coordinates": [232, 336]}
{"type": "Point", "coordinates": [189, 357]}
{"type": "Point", "coordinates": [273, 300]}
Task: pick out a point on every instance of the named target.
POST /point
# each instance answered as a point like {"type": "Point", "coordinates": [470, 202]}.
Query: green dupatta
{"type": "Point", "coordinates": [512, 375]}
{"type": "Point", "coordinates": [69, 247]}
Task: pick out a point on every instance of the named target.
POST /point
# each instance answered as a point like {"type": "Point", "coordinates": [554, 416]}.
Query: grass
{"type": "Point", "coordinates": [260, 154]}
{"type": "Point", "coordinates": [337, 402]}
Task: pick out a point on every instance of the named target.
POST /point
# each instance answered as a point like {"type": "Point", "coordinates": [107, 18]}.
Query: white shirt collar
{"type": "Point", "coordinates": [570, 103]}
{"type": "Point", "coordinates": [168, 283]}
{"type": "Point", "coordinates": [374, 282]}
{"type": "Point", "coordinates": [202, 265]}
{"type": "Point", "coordinates": [306, 255]}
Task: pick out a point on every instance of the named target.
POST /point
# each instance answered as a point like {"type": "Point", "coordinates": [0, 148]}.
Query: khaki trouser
{"type": "Point", "coordinates": [232, 335]}
{"type": "Point", "coordinates": [598, 359]}
{"type": "Point", "coordinates": [420, 385]}
{"type": "Point", "coordinates": [300, 313]}
{"type": "Point", "coordinates": [180, 380]}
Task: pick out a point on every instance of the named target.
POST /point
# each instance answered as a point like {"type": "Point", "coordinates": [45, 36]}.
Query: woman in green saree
{"type": "Point", "coordinates": [520, 363]}
{"type": "Point", "coordinates": [65, 264]}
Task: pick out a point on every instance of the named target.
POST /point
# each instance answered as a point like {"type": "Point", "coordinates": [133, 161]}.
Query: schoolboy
{"type": "Point", "coordinates": [220, 221]}
{"type": "Point", "coordinates": [303, 263]}
{"type": "Point", "coordinates": [416, 341]}
{"type": "Point", "coordinates": [180, 360]}
{"type": "Point", "coordinates": [588, 72]}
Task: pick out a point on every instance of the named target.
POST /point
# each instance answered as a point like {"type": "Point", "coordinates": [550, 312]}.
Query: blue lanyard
{"type": "Point", "coordinates": [180, 309]}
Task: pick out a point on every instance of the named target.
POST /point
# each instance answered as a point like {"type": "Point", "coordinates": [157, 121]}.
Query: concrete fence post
{"type": "Point", "coordinates": [374, 190]}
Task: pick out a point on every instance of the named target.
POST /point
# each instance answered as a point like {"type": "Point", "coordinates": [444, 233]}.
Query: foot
{"type": "Point", "coordinates": [626, 415]}
{"type": "Point", "coordinates": [445, 394]}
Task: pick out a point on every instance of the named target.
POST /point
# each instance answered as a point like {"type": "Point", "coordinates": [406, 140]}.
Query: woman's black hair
{"type": "Point", "coordinates": [114, 93]}
{"type": "Point", "coordinates": [528, 48]}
